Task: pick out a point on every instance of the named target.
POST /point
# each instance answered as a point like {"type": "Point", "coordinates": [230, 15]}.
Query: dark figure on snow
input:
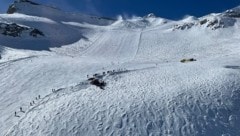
{"type": "Point", "coordinates": [21, 109]}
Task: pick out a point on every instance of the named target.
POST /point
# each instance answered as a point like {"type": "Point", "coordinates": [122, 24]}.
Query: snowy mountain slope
{"type": "Point", "coordinates": [157, 95]}
{"type": "Point", "coordinates": [39, 10]}
{"type": "Point", "coordinates": [55, 34]}
{"type": "Point", "coordinates": [194, 102]}
{"type": "Point", "coordinates": [48, 20]}
{"type": "Point", "coordinates": [213, 21]}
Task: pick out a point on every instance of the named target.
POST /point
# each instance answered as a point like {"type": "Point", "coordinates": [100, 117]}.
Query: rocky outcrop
{"type": "Point", "coordinates": [183, 26]}
{"type": "Point", "coordinates": [211, 22]}
{"type": "Point", "coordinates": [16, 30]}
{"type": "Point", "coordinates": [214, 23]}
{"type": "Point", "coordinates": [36, 33]}
{"type": "Point", "coordinates": [11, 9]}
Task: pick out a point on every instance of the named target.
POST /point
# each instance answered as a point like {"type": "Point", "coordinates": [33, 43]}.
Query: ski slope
{"type": "Point", "coordinates": [149, 93]}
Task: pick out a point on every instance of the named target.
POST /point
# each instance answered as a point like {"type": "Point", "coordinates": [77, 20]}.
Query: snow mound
{"type": "Point", "coordinates": [140, 22]}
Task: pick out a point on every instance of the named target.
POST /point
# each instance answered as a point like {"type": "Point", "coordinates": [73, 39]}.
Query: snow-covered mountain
{"type": "Point", "coordinates": [74, 74]}
{"type": "Point", "coordinates": [213, 21]}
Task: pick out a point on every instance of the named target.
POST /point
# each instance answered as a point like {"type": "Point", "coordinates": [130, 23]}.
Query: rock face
{"type": "Point", "coordinates": [11, 9]}
{"type": "Point", "coordinates": [16, 30]}
{"type": "Point", "coordinates": [183, 26]}
{"type": "Point", "coordinates": [36, 33]}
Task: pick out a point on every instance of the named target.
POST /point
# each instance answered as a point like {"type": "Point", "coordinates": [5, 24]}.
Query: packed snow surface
{"type": "Point", "coordinates": [148, 90]}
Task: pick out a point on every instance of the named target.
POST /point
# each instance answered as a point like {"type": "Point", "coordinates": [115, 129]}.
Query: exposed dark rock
{"type": "Point", "coordinates": [209, 22]}
{"type": "Point", "coordinates": [98, 83]}
{"type": "Point", "coordinates": [212, 23]}
{"type": "Point", "coordinates": [183, 26]}
{"type": "Point", "coordinates": [11, 9]}
{"type": "Point", "coordinates": [16, 30]}
{"type": "Point", "coordinates": [204, 21]}
{"type": "Point", "coordinates": [36, 32]}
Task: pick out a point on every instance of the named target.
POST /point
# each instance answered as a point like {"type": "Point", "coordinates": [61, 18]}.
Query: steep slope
{"type": "Point", "coordinates": [35, 9]}
{"type": "Point", "coordinates": [49, 21]}
{"type": "Point", "coordinates": [148, 90]}
{"type": "Point", "coordinates": [55, 34]}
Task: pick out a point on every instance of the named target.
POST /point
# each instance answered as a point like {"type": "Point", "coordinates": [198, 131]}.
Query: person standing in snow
{"type": "Point", "coordinates": [21, 109]}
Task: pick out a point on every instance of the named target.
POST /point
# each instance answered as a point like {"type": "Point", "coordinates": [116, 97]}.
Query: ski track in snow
{"type": "Point", "coordinates": [111, 46]}
{"type": "Point", "coordinates": [156, 96]}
